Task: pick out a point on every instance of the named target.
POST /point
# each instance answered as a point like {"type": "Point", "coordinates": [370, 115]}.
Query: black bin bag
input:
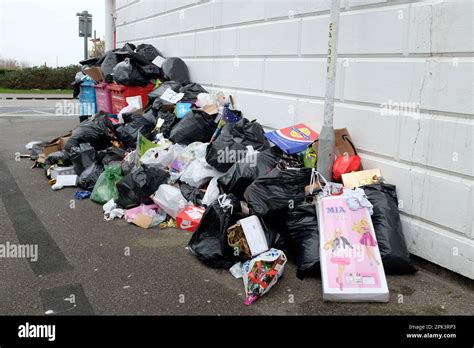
{"type": "Point", "coordinates": [137, 186]}
{"type": "Point", "coordinates": [279, 190]}
{"type": "Point", "coordinates": [57, 157]}
{"type": "Point", "coordinates": [209, 241]}
{"type": "Point", "coordinates": [149, 52]}
{"type": "Point", "coordinates": [89, 176]}
{"type": "Point", "coordinates": [302, 225]}
{"type": "Point", "coordinates": [175, 69]}
{"type": "Point", "coordinates": [191, 91]}
{"type": "Point", "coordinates": [196, 125]}
{"type": "Point", "coordinates": [82, 156]}
{"type": "Point", "coordinates": [245, 172]}
{"type": "Point", "coordinates": [98, 131]}
{"type": "Point", "coordinates": [135, 123]}
{"type": "Point", "coordinates": [110, 154]}
{"type": "Point", "coordinates": [233, 140]}
{"type": "Point", "coordinates": [388, 229]}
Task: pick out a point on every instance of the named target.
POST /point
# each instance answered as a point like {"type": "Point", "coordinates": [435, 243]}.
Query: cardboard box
{"type": "Point", "coordinates": [351, 266]}
{"type": "Point", "coordinates": [360, 178]}
{"type": "Point", "coordinates": [189, 218]}
{"type": "Point", "coordinates": [94, 73]}
{"type": "Point", "coordinates": [57, 144]}
{"type": "Point", "coordinates": [293, 139]}
{"type": "Point", "coordinates": [254, 234]}
{"type": "Point", "coordinates": [55, 170]}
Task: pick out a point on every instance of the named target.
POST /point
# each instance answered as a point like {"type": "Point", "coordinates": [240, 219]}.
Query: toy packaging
{"type": "Point", "coordinates": [351, 266]}
{"type": "Point", "coordinates": [261, 273]}
{"type": "Point", "coordinates": [293, 139]}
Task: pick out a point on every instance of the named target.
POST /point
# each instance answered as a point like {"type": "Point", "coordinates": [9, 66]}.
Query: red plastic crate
{"type": "Point", "coordinates": [103, 97]}
{"type": "Point", "coordinates": [119, 94]}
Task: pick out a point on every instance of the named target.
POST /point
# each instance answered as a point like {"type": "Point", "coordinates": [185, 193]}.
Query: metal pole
{"type": "Point", "coordinates": [327, 140]}
{"type": "Point", "coordinates": [85, 35]}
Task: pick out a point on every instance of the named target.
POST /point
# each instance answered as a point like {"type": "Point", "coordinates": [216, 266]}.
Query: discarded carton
{"type": "Point", "coordinates": [361, 178]}
{"type": "Point", "coordinates": [351, 266]}
{"type": "Point", "coordinates": [57, 144]}
{"type": "Point", "coordinates": [254, 234]}
{"type": "Point", "coordinates": [189, 218]}
{"type": "Point", "coordinates": [94, 73]}
{"type": "Point", "coordinates": [55, 170]}
{"type": "Point", "coordinates": [293, 139]}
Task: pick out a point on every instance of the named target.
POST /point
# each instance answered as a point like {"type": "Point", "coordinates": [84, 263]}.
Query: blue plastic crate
{"type": "Point", "coordinates": [87, 101]}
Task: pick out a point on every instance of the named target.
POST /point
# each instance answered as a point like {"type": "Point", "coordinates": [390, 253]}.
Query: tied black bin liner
{"type": "Point", "coordinates": [196, 125]}
{"type": "Point", "coordinates": [89, 176]}
{"type": "Point", "coordinates": [137, 186]}
{"type": "Point", "coordinates": [175, 69]}
{"type": "Point", "coordinates": [82, 156]}
{"type": "Point", "coordinates": [388, 229]}
{"type": "Point", "coordinates": [148, 52]}
{"type": "Point", "coordinates": [302, 226]}
{"type": "Point", "coordinates": [97, 131]}
{"type": "Point", "coordinates": [278, 190]}
{"type": "Point", "coordinates": [135, 123]}
{"type": "Point", "coordinates": [110, 154]}
{"type": "Point", "coordinates": [209, 241]}
{"type": "Point", "coordinates": [127, 73]}
{"type": "Point", "coordinates": [191, 91]}
{"type": "Point", "coordinates": [231, 144]}
{"type": "Point", "coordinates": [243, 173]}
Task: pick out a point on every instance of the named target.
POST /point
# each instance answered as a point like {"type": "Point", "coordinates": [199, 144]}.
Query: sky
{"type": "Point", "coordinates": [39, 31]}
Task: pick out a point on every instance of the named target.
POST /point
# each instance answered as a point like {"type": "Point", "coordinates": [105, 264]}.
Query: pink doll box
{"type": "Point", "coordinates": [351, 267]}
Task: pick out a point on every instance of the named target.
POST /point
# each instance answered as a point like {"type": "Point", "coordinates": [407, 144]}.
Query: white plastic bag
{"type": "Point", "coordinates": [133, 104]}
{"type": "Point", "coordinates": [161, 157]}
{"type": "Point", "coordinates": [197, 174]}
{"type": "Point", "coordinates": [212, 192]}
{"type": "Point", "coordinates": [170, 199]}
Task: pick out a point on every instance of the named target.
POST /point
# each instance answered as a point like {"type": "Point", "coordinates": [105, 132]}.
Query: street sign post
{"type": "Point", "coordinates": [85, 28]}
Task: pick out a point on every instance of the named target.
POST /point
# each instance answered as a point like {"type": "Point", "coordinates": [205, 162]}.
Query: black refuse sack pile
{"type": "Point", "coordinates": [166, 165]}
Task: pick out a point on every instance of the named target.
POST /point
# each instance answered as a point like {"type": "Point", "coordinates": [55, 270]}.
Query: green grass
{"type": "Point", "coordinates": [35, 91]}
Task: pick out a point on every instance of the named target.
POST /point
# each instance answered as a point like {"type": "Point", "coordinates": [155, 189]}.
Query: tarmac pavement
{"type": "Point", "coordinates": [115, 268]}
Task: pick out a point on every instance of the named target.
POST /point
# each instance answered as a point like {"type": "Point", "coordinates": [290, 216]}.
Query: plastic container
{"type": "Point", "coordinates": [87, 101]}
{"type": "Point", "coordinates": [119, 94]}
{"type": "Point", "coordinates": [103, 97]}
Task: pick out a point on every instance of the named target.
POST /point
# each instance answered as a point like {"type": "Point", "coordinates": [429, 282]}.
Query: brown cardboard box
{"type": "Point", "coordinates": [94, 73]}
{"type": "Point", "coordinates": [356, 179]}
{"type": "Point", "coordinates": [57, 144]}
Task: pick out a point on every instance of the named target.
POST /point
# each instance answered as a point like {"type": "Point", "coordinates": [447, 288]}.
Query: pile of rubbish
{"type": "Point", "coordinates": [189, 159]}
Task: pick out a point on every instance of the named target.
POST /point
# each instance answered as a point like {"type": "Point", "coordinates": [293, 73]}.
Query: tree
{"type": "Point", "coordinates": [98, 49]}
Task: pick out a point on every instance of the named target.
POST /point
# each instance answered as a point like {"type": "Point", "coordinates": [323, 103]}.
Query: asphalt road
{"type": "Point", "coordinates": [83, 255]}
